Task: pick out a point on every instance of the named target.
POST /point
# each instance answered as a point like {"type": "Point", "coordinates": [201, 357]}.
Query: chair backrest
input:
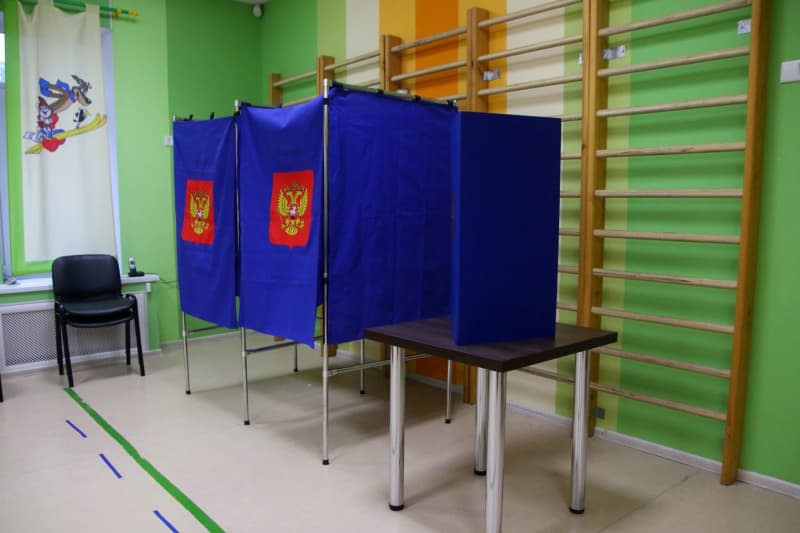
{"type": "Point", "coordinates": [86, 277]}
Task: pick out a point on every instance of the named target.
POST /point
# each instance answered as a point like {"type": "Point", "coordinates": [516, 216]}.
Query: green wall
{"type": "Point", "coordinates": [145, 188]}
{"type": "Point", "coordinates": [289, 44]}
{"type": "Point", "coordinates": [772, 434]}
{"type": "Point", "coordinates": [213, 50]}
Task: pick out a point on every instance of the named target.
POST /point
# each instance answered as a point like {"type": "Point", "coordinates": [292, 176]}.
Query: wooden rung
{"type": "Point", "coordinates": [673, 106]}
{"type": "Point", "coordinates": [663, 320]}
{"type": "Point", "coordinates": [674, 150]}
{"type": "Point", "coordinates": [371, 83]}
{"type": "Point", "coordinates": [667, 236]}
{"type": "Point", "coordinates": [571, 117]}
{"type": "Point", "coordinates": [569, 232]}
{"type": "Point", "coordinates": [675, 17]}
{"type": "Point", "coordinates": [451, 97]}
{"type": "Point", "coordinates": [544, 45]}
{"type": "Point", "coordinates": [570, 194]}
{"type": "Point", "coordinates": [299, 101]}
{"type": "Point", "coordinates": [664, 278]}
{"type": "Point", "coordinates": [568, 269]}
{"type": "Point", "coordinates": [561, 80]}
{"type": "Point", "coordinates": [666, 362]}
{"type": "Point", "coordinates": [567, 306]}
{"type": "Point", "coordinates": [527, 12]}
{"type": "Point", "coordinates": [547, 374]}
{"type": "Point", "coordinates": [292, 79]}
{"type": "Point", "coordinates": [670, 404]}
{"type": "Point", "coordinates": [430, 70]}
{"type": "Point", "coordinates": [354, 59]}
{"type": "Point", "coordinates": [670, 193]}
{"type": "Point", "coordinates": [675, 61]}
{"type": "Point", "coordinates": [571, 155]}
{"type": "Point", "coordinates": [429, 39]}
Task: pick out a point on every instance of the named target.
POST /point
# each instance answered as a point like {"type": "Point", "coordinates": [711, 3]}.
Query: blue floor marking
{"type": "Point", "coordinates": [73, 426]}
{"type": "Point", "coordinates": [108, 463]}
{"type": "Point", "coordinates": [166, 522]}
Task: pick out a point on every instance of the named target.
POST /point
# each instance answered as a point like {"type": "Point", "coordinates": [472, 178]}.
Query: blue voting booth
{"type": "Point", "coordinates": [423, 212]}
{"type": "Point", "coordinates": [505, 176]}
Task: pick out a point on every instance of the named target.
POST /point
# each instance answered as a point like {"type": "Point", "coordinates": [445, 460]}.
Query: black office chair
{"type": "Point", "coordinates": [88, 294]}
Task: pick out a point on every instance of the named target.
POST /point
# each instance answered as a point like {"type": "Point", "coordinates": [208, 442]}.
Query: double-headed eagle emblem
{"type": "Point", "coordinates": [199, 209]}
{"type": "Point", "coordinates": [292, 205]}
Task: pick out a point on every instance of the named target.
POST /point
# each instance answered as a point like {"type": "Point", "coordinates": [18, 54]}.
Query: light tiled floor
{"type": "Point", "coordinates": [267, 476]}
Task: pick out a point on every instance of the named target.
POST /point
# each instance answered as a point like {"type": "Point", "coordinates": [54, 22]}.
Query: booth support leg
{"type": "Point", "coordinates": [362, 359]}
{"type": "Point", "coordinates": [325, 460]}
{"type": "Point", "coordinates": [449, 392]}
{"type": "Point", "coordinates": [245, 391]}
{"type": "Point", "coordinates": [185, 337]}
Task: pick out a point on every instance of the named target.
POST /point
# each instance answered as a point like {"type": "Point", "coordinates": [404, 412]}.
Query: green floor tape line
{"type": "Point", "coordinates": [165, 483]}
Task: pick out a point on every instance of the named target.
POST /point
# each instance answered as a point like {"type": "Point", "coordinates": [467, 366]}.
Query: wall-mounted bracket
{"type": "Point", "coordinates": [614, 52]}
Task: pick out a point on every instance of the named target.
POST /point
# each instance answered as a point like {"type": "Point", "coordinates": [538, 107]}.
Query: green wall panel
{"type": "Point", "coordinates": [772, 435]}
{"type": "Point", "coordinates": [332, 29]}
{"type": "Point", "coordinates": [289, 44]}
{"type": "Point", "coordinates": [145, 175]}
{"type": "Point", "coordinates": [214, 56]}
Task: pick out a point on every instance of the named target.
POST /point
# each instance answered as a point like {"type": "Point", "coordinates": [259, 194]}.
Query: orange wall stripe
{"type": "Point", "coordinates": [436, 17]}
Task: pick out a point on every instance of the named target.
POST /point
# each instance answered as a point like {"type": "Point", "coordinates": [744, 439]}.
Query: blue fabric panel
{"type": "Point", "coordinates": [505, 249]}
{"type": "Point", "coordinates": [389, 175]}
{"type": "Point", "coordinates": [280, 282]}
{"type": "Point", "coordinates": [204, 151]}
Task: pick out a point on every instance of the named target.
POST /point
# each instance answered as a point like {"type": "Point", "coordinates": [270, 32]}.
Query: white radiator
{"type": "Point", "coordinates": [28, 338]}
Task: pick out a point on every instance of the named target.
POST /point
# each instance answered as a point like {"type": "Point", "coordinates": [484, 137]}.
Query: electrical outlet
{"type": "Point", "coordinates": [490, 75]}
{"type": "Point", "coordinates": [168, 140]}
{"type": "Point", "coordinates": [743, 27]}
{"type": "Point", "coordinates": [790, 71]}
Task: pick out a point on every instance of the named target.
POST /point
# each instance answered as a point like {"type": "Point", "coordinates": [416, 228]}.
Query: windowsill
{"type": "Point", "coordinates": [45, 284]}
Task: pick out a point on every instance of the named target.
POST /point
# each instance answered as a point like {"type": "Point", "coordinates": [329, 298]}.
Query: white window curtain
{"type": "Point", "coordinates": [66, 170]}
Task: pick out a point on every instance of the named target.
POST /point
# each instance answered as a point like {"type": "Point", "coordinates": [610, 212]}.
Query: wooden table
{"type": "Point", "coordinates": [434, 337]}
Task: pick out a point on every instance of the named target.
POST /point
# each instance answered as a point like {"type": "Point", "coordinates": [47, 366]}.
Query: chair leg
{"type": "Point", "coordinates": [59, 350]}
{"type": "Point", "coordinates": [128, 343]}
{"type": "Point", "coordinates": [138, 340]}
{"type": "Point", "coordinates": [65, 340]}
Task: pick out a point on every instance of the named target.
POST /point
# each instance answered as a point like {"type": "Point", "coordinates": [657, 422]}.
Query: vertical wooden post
{"type": "Point", "coordinates": [322, 62]}
{"type": "Point", "coordinates": [748, 247]}
{"type": "Point", "coordinates": [595, 96]}
{"type": "Point", "coordinates": [389, 63]}
{"type": "Point", "coordinates": [275, 93]}
{"type": "Point", "coordinates": [477, 45]}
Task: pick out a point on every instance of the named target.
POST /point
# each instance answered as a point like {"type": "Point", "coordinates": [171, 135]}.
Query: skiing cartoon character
{"type": "Point", "coordinates": [63, 96]}
{"type": "Point", "coordinates": [46, 120]}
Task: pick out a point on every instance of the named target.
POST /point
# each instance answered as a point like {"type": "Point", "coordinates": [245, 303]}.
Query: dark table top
{"type": "Point", "coordinates": [433, 336]}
